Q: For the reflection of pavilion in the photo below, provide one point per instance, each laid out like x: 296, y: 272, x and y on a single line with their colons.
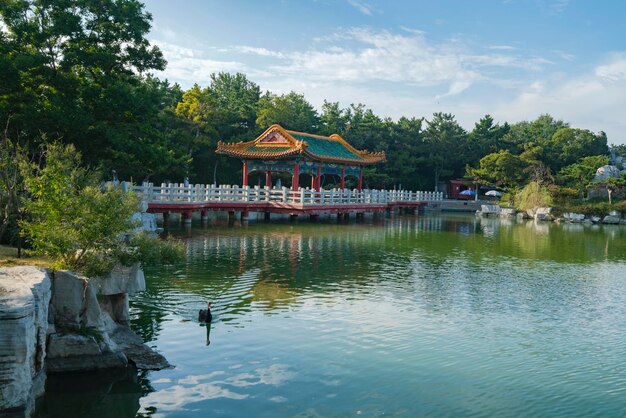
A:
x: 297, y: 153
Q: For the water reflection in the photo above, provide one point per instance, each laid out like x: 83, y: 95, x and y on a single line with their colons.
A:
x: 433, y: 315
x: 111, y: 393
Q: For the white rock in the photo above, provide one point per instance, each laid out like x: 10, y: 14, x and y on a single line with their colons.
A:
x: 611, y: 220
x: 24, y: 299
x: 574, y: 217
x: 508, y: 213
x: 606, y: 172
x: 543, y: 214
x: 74, y: 301
x: 121, y: 280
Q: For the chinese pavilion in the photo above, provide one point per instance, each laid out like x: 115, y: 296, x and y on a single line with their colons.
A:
x: 281, y: 150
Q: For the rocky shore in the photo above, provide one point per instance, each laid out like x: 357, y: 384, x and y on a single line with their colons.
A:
x: 545, y: 214
x: 56, y: 322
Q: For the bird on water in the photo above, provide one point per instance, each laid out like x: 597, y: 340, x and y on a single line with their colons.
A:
x: 204, y: 315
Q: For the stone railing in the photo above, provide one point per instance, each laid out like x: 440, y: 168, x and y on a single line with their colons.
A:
x: 200, y: 193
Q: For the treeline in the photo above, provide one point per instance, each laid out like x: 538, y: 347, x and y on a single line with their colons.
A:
x: 78, y: 72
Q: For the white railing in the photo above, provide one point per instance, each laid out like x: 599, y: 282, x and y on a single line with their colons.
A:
x: 200, y: 193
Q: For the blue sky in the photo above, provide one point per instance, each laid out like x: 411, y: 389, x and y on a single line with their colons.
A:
x: 513, y: 59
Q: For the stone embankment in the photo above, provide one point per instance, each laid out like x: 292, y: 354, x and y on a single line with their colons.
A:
x: 52, y: 322
x: 546, y: 215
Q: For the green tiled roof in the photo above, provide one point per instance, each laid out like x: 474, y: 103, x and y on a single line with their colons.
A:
x: 268, y: 149
x: 326, y: 148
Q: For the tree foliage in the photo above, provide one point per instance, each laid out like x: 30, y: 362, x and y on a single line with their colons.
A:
x: 80, y: 225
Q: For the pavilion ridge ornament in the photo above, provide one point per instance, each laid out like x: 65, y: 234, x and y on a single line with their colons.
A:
x: 281, y: 150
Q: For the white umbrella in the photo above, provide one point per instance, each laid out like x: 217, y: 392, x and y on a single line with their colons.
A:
x: 494, y: 193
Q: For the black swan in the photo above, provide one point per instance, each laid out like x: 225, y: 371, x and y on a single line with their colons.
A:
x: 204, y: 315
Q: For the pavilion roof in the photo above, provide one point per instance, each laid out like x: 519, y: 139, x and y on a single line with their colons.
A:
x: 279, y: 143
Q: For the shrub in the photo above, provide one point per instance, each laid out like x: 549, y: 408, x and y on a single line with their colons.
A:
x: 533, y: 195
x: 81, y: 226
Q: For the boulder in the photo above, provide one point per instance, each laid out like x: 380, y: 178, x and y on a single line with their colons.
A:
x: 122, y: 279
x: 74, y: 302
x: 595, y: 219
x: 606, y: 172
x: 574, y: 217
x: 611, y: 220
x: 522, y: 215
x: 486, y: 210
x: 543, y: 214
x: 507, y: 213
x: 24, y: 299
x: 146, y: 222
x: 77, y: 352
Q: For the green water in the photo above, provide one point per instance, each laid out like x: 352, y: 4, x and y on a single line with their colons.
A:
x: 416, y: 316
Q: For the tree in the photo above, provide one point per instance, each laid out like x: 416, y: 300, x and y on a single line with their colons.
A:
x: 78, y: 75
x: 485, y: 138
x: 236, y: 101
x: 291, y: 111
x: 501, y: 168
x: 80, y: 225
x: 446, y: 146
x: 581, y: 173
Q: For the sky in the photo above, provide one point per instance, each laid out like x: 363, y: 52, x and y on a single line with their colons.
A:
x: 512, y: 59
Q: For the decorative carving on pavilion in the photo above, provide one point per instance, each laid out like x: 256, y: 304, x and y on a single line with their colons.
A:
x: 279, y: 143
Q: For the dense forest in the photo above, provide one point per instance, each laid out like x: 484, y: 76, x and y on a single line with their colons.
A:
x: 79, y: 72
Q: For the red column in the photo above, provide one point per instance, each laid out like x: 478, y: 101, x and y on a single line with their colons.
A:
x: 312, y: 182
x: 295, y: 185
x: 245, y: 173
x: 268, y: 178
x: 360, y: 185
x: 318, y: 182
x: 343, y: 179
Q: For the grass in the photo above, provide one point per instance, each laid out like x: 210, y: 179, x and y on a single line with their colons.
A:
x: 8, y: 258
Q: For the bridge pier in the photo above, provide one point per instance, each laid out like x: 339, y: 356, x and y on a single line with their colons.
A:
x: 186, y: 217
x: 231, y: 215
x: 166, y: 218
x: 204, y: 215
x: 267, y: 216
x: 244, y: 215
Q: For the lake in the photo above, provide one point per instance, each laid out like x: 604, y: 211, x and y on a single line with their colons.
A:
x: 429, y: 315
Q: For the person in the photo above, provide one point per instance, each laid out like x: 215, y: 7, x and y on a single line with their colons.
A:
x: 186, y: 181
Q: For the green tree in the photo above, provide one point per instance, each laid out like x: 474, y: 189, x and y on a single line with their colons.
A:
x: 581, y: 173
x: 78, y: 75
x: 446, y: 147
x: 80, y: 225
x: 291, y: 111
x: 485, y: 138
x: 501, y: 168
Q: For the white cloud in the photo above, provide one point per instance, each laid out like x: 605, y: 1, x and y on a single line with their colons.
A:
x: 407, y: 74
x: 263, y: 52
x: 592, y: 101
x: 613, y: 71
x: 361, y: 6
x: 502, y: 47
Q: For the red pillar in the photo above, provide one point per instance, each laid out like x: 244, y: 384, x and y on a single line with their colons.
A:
x: 312, y: 182
x: 268, y: 178
x: 245, y: 173
x: 318, y: 182
x: 295, y: 185
x: 343, y: 179
x: 360, y: 185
